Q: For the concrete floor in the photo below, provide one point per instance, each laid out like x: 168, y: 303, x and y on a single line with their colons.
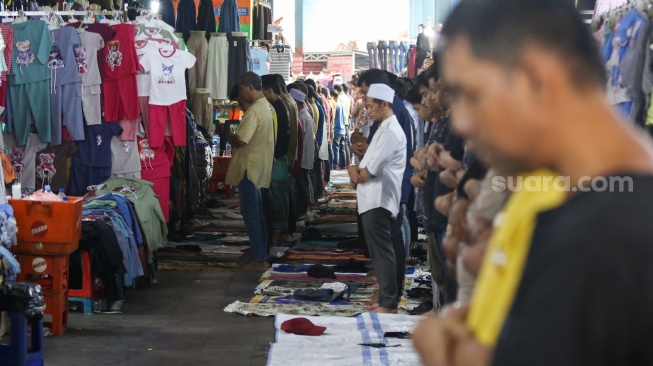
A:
x: 179, y: 321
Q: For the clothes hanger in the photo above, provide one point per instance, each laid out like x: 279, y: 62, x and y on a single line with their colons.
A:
x: 21, y: 16
x: 52, y: 21
x: 89, y: 18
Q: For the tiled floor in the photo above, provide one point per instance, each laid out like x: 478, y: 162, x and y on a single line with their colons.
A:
x: 179, y: 321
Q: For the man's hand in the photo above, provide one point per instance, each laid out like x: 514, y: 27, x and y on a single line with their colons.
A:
x: 359, y: 149
x: 445, y: 340
x: 449, y: 179
x: 432, y: 156
x: 436, y: 338
x: 419, y: 179
x: 235, y: 141
x: 362, y: 173
x: 354, y: 176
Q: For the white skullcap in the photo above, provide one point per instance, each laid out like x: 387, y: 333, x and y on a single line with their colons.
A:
x: 297, y: 95
x: 381, y: 92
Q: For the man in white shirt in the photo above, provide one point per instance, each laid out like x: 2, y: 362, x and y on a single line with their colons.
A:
x: 378, y: 187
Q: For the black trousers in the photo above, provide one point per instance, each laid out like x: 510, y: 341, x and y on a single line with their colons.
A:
x: 238, y: 60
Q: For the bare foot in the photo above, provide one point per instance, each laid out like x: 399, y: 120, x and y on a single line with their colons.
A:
x: 385, y: 310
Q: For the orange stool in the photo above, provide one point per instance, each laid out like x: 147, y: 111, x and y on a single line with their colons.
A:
x: 86, y: 294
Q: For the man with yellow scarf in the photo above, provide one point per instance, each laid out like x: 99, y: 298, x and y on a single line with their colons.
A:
x: 567, y: 278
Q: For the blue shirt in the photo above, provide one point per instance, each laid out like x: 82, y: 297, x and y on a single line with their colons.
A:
x: 404, y: 119
x: 95, y: 151
x: 339, y: 121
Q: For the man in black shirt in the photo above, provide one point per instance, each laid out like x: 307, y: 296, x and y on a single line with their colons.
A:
x: 277, y: 197
x: 528, y: 86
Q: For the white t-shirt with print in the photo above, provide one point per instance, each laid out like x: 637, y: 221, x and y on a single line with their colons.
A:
x: 167, y: 75
x: 142, y: 76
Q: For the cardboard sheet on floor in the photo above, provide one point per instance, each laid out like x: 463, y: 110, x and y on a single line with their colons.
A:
x: 339, y: 344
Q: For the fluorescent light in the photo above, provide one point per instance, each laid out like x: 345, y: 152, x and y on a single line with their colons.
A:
x: 155, y: 6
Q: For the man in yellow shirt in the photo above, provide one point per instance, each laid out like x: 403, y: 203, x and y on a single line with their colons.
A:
x: 251, y: 166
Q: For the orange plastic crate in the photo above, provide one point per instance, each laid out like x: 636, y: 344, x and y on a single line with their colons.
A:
x: 48, y: 227
x: 56, y: 306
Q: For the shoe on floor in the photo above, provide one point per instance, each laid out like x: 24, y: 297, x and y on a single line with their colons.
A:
x: 423, y: 308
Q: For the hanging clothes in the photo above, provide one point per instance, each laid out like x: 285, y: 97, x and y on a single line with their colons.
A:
x: 66, y: 85
x: 229, y: 19
x: 218, y: 67
x: 186, y: 18
x: 281, y: 61
x: 206, y: 18
x: 30, y: 80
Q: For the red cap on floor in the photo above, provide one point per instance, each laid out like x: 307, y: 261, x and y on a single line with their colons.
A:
x: 302, y: 326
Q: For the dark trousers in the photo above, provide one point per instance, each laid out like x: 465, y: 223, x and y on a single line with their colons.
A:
x: 377, y: 225
x: 403, y: 52
x: 167, y: 11
x: 421, y: 56
x: 400, y: 252
x: 238, y: 59
x: 326, y: 165
x: 339, y: 159
x: 371, y: 51
x: 186, y: 18
x: 394, y: 56
x: 348, y: 158
x: 383, y: 55
x: 206, y: 18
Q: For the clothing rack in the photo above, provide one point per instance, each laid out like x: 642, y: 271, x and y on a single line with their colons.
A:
x: 631, y: 4
x: 46, y: 13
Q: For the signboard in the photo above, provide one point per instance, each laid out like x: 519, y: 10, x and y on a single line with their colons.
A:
x: 312, y: 66
x: 343, y: 65
x: 297, y: 65
x: 272, y: 28
x: 242, y: 12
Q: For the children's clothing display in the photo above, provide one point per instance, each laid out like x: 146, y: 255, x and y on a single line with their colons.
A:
x: 167, y: 93
x: 119, y: 88
x: 30, y: 80
x: 65, y: 85
x: 89, y: 70
x: 92, y: 162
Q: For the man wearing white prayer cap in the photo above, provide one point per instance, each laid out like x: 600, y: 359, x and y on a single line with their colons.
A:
x: 378, y: 187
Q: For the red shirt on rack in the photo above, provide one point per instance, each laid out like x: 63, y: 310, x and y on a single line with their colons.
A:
x: 120, y: 53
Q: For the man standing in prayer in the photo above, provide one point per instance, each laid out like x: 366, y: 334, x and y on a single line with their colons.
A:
x: 251, y: 165
x: 277, y: 198
x: 308, y: 151
x: 378, y: 187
